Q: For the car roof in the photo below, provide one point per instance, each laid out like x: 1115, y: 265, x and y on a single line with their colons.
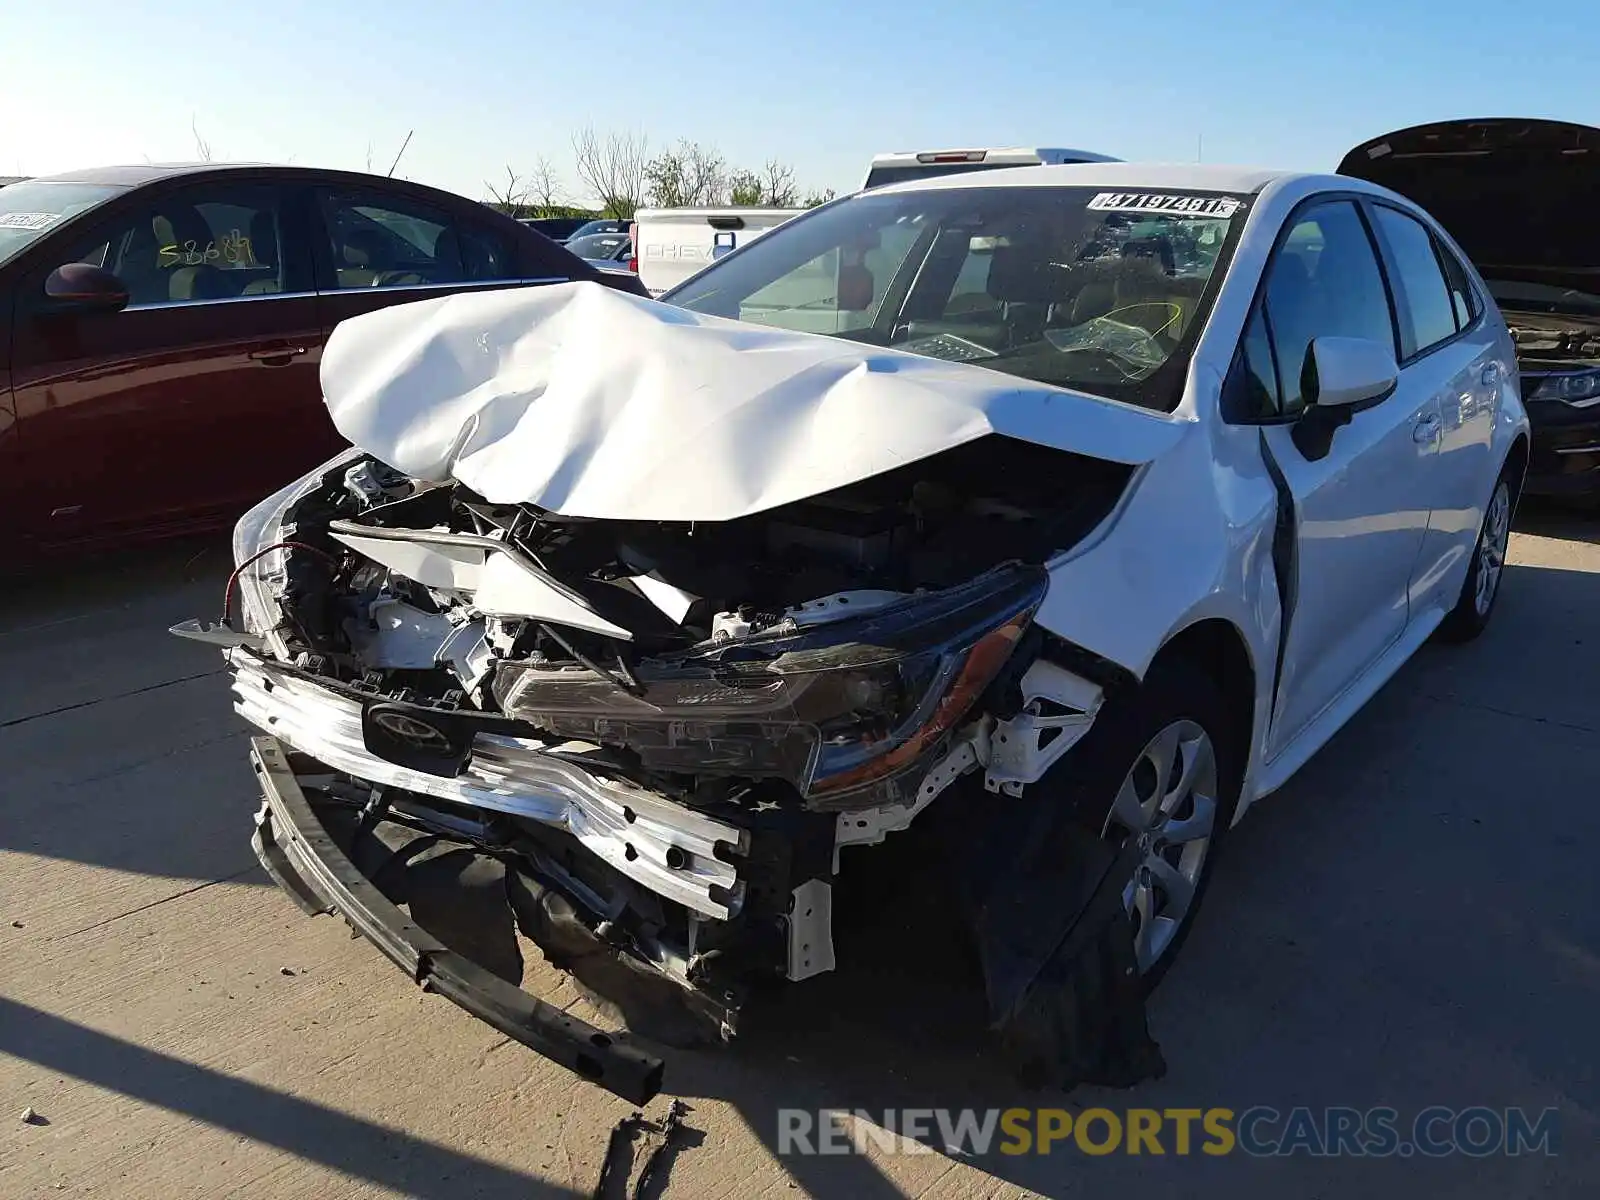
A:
x: 1165, y: 176
x: 139, y: 175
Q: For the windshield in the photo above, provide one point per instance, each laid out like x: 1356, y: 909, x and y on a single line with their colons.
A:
x: 598, y: 245
x: 604, y: 225
x: 1101, y: 291
x: 29, y: 209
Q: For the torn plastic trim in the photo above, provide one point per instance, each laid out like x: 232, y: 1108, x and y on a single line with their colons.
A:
x: 639, y: 833
x: 498, y: 580
x: 297, y: 852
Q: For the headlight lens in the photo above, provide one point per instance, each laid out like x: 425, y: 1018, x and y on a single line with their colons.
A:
x: 831, y: 709
x: 261, y: 527
x: 1580, y: 388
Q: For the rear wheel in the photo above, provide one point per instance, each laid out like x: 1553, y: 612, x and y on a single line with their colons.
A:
x: 1481, y: 588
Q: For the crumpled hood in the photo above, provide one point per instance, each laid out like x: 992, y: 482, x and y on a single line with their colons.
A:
x: 589, y: 402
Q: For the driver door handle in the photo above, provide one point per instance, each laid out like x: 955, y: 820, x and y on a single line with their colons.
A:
x: 276, y: 356
x: 1426, y: 430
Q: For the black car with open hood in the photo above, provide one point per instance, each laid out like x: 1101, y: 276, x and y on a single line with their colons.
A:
x: 1522, y: 198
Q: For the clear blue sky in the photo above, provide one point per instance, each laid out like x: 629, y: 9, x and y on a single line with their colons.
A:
x: 822, y: 84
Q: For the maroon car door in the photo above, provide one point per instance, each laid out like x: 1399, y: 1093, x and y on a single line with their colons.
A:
x: 198, y: 398
x: 378, y: 247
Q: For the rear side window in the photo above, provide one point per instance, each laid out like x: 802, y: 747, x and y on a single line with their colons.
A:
x: 1464, y: 302
x: 390, y: 241
x: 1422, y: 298
x: 1324, y: 281
x: 485, y: 256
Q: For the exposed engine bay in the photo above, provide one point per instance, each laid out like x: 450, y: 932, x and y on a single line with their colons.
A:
x: 803, y: 646
x: 673, y: 728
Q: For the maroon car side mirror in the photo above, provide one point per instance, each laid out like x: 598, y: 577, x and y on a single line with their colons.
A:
x: 83, y: 287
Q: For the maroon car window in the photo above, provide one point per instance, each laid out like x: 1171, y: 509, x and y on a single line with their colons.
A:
x: 391, y: 241
x: 195, y: 245
x: 486, y: 256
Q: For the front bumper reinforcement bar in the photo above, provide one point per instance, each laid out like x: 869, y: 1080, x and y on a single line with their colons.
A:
x: 304, y: 861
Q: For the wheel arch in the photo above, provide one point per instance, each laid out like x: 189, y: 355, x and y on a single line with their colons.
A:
x: 1219, y: 647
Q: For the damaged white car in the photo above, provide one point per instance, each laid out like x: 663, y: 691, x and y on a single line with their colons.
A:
x: 1074, y: 507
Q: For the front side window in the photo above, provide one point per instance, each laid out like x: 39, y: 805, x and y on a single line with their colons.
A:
x: 390, y: 241
x: 194, y: 245
x: 1422, y: 296
x: 1323, y: 281
x: 29, y: 210
x: 1071, y: 286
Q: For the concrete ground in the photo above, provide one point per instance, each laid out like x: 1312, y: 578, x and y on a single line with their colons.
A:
x: 1414, y: 921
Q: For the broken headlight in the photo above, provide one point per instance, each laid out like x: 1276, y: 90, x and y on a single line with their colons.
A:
x: 831, y: 709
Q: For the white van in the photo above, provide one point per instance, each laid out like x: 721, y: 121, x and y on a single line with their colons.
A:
x: 671, y: 244
x: 905, y: 165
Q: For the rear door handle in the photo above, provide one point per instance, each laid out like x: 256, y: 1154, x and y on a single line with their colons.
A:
x: 276, y: 356
x: 1426, y: 430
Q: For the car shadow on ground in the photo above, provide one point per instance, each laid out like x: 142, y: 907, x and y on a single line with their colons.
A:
x: 378, y: 1154
x: 1308, y: 979
x: 1544, y: 517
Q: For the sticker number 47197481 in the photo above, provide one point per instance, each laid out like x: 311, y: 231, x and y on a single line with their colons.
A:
x: 1165, y: 203
x: 21, y: 220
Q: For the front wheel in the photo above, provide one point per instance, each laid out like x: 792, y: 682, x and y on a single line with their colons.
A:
x: 1162, y: 769
x: 1481, y: 588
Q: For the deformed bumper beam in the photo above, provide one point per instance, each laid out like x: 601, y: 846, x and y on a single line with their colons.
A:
x: 304, y: 861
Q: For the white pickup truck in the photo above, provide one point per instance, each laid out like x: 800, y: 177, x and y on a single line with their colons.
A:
x: 671, y: 244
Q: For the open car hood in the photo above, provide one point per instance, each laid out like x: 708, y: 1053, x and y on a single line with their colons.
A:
x: 1520, y: 196
x: 588, y: 402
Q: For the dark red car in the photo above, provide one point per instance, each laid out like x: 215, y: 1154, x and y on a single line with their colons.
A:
x: 161, y: 329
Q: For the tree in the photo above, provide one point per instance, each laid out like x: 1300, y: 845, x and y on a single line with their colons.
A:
x: 613, y: 168
x: 777, y: 185
x: 510, y: 196
x: 544, y: 189
x: 202, y: 148
x: 815, y: 198
x: 744, y: 189
x: 686, y: 175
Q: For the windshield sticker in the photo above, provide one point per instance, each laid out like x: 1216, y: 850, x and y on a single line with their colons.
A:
x: 1152, y: 202
x: 33, y: 221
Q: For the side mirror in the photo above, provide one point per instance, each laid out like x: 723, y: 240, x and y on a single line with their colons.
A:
x: 1340, y: 377
x: 84, y: 288
x: 1346, y: 372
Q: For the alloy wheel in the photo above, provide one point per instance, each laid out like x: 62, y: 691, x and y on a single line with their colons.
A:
x: 1492, y: 547
x: 1168, y: 804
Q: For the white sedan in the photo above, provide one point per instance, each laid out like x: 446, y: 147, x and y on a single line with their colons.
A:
x: 1066, y: 510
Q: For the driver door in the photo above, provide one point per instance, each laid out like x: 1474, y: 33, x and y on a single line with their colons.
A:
x: 1361, y: 505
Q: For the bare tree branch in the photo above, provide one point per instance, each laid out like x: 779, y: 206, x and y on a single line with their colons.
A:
x: 509, y: 196
x: 202, y: 148
x: 778, y: 189
x: 544, y: 189
x: 612, y: 168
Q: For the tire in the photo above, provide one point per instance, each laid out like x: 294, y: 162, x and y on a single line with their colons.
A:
x: 1481, y: 588
x: 1181, y: 716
